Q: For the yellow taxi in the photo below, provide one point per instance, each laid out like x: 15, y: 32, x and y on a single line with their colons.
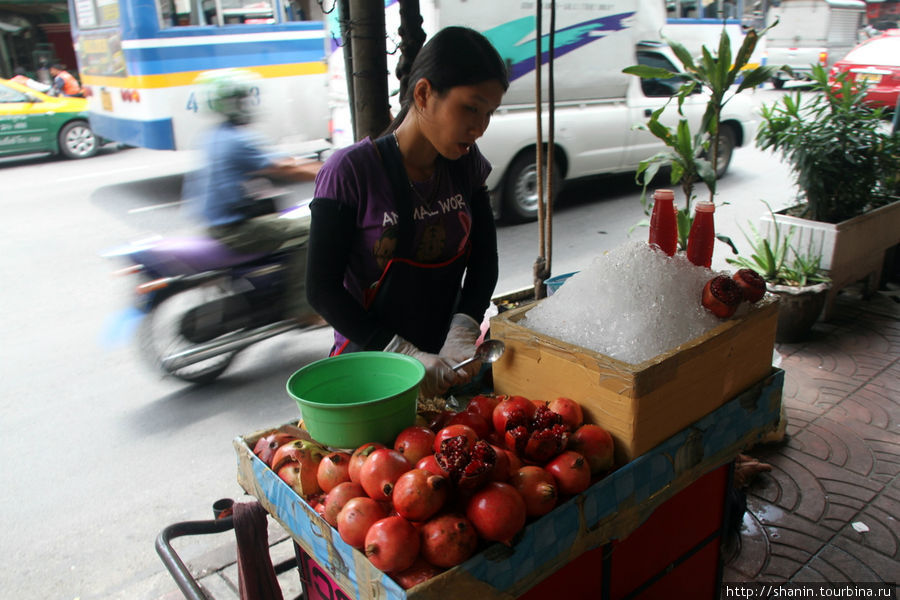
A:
x: 31, y: 121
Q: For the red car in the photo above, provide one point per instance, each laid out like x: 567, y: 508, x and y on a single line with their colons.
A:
x: 877, y: 62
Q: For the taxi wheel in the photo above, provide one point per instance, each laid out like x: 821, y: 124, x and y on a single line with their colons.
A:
x: 76, y: 140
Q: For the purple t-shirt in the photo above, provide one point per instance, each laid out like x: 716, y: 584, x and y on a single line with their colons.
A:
x: 355, y: 176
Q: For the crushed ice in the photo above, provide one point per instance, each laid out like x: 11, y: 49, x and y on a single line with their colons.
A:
x: 632, y: 303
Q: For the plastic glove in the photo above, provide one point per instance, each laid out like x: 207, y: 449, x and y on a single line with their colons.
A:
x: 460, y: 343
x: 439, y: 373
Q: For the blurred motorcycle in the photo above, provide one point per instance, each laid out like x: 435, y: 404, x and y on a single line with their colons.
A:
x: 200, y: 303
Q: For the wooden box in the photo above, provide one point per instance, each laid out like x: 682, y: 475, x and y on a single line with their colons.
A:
x: 639, y: 404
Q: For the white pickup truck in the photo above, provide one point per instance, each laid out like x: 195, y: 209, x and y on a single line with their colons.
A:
x: 811, y: 32
x: 596, y: 105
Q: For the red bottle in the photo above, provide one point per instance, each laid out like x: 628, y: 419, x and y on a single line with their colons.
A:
x: 702, y: 235
x: 663, y: 224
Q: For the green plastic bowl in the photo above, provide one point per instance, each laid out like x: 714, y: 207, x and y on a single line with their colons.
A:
x: 351, y: 399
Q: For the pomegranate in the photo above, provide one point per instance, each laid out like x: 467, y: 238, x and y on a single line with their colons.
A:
x: 571, y: 472
x: 501, y: 470
x: 356, y: 517
x: 301, y: 451
x: 338, y: 497
x: 479, y: 424
x: 569, y: 410
x: 333, y: 469
x: 515, y: 463
x: 596, y: 445
x: 539, y: 438
x: 414, y: 443
x: 359, y: 456
x: 497, y: 511
x: 448, y: 540
x: 517, y: 406
x: 266, y: 446
x: 429, y: 463
x: 392, y: 544
x: 297, y: 463
x: 752, y: 285
x: 451, y: 431
x: 469, y: 465
x: 484, y: 405
x: 418, y: 494
x: 421, y: 570
x: 721, y: 296
x: 537, y: 487
x: 380, y: 471
x: 301, y: 480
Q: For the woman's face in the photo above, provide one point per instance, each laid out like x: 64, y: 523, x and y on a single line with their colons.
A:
x: 454, y: 121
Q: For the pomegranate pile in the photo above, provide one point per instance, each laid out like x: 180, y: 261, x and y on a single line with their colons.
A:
x: 449, y: 485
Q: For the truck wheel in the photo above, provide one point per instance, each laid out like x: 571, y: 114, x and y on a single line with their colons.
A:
x: 778, y: 83
x: 76, y: 140
x: 726, y: 150
x: 520, y: 190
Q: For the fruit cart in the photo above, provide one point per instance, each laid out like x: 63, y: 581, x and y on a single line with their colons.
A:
x: 653, y: 524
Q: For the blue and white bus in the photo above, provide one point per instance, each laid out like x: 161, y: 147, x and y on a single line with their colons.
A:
x: 138, y: 60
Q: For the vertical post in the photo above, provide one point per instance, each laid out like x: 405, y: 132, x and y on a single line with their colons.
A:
x: 551, y: 137
x: 412, y: 37
x: 347, y: 49
x: 367, y: 37
x: 540, y: 263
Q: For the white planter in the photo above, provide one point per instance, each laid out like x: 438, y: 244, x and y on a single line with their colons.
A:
x: 852, y: 250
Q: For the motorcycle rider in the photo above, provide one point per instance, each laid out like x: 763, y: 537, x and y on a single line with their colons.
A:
x: 217, y: 192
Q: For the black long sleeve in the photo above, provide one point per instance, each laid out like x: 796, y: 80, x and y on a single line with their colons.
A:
x: 483, y: 268
x: 331, y: 233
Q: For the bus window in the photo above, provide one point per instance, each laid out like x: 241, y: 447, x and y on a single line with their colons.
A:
x: 704, y: 9
x: 97, y: 13
x: 178, y: 13
x: 247, y: 11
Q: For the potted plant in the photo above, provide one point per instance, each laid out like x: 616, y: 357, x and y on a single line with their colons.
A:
x: 847, y: 168
x: 793, y: 274
x: 694, y: 155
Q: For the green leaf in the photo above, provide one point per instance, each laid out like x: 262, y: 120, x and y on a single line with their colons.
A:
x: 660, y: 131
x: 687, y: 61
x: 746, y: 50
x: 648, y: 72
x: 707, y: 174
x: 723, y: 62
x: 684, y: 220
x: 756, y: 77
x: 641, y: 223
x: 727, y: 240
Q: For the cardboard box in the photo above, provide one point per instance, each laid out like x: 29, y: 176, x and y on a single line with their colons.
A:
x: 639, y: 404
x: 610, y: 509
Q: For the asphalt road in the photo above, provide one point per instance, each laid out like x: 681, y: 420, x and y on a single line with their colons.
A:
x: 100, y: 453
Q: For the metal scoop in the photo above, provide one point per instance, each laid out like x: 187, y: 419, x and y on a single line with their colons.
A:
x: 488, y: 351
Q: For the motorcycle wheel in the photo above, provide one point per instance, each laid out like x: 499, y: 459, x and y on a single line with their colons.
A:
x: 160, y: 335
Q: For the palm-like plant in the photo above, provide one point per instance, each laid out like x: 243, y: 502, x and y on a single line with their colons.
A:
x: 688, y: 151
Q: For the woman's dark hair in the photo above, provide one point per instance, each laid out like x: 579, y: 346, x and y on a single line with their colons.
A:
x: 453, y: 56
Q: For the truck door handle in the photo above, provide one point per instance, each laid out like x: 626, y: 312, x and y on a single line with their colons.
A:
x: 648, y: 112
